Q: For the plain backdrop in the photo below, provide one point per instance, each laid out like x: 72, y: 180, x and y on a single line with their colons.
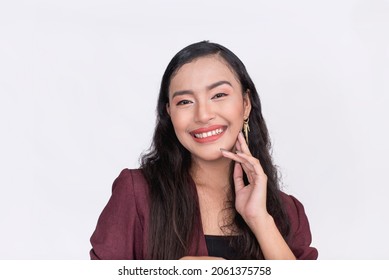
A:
x: 79, y: 81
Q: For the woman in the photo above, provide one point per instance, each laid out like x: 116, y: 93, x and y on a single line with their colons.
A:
x: 207, y: 188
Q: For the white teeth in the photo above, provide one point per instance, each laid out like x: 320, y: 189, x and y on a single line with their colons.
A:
x: 209, y: 133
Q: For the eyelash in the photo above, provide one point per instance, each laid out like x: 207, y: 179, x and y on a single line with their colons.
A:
x: 183, y: 102
x: 219, y: 95
x: 216, y: 96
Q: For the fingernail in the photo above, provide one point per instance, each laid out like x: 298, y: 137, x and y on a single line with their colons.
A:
x: 223, y: 150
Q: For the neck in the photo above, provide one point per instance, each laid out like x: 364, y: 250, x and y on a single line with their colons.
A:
x: 211, y: 174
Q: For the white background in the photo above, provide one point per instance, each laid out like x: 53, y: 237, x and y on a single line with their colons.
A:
x: 79, y: 81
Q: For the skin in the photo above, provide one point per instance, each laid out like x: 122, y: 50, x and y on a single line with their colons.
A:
x: 194, y: 105
x: 200, y: 107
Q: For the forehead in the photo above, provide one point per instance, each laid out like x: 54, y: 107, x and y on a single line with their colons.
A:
x: 202, y: 72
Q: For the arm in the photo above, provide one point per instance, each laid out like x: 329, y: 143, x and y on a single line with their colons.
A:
x: 251, y: 202
x: 119, y: 231
x: 300, y: 237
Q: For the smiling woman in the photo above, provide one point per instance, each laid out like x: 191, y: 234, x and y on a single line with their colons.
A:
x: 203, y: 189
x: 209, y: 110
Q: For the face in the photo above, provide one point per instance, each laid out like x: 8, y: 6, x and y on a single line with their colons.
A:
x: 207, y: 107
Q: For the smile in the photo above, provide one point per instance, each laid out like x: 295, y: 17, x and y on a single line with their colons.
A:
x: 208, y: 134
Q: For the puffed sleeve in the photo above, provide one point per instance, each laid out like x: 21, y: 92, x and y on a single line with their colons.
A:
x: 120, y: 227
x: 300, y: 237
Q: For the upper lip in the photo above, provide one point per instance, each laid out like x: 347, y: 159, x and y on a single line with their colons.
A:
x: 206, y: 129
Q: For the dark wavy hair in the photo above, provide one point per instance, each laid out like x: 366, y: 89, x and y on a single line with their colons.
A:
x: 174, y: 209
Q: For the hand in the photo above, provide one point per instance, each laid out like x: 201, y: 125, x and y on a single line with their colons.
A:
x: 251, y: 202
x: 251, y: 199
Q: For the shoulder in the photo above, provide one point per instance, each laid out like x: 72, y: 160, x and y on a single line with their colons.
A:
x: 130, y: 177
x: 300, y: 237
x: 292, y: 205
x: 121, y: 227
x: 131, y: 180
x: 131, y: 187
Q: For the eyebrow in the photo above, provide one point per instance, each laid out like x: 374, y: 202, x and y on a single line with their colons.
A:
x: 211, y: 86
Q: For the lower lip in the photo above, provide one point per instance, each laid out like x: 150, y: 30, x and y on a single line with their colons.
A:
x: 209, y: 139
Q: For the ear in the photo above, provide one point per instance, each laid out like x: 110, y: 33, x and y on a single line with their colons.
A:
x: 168, y: 108
x: 246, y: 104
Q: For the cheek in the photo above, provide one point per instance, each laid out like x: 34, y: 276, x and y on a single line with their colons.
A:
x: 234, y: 110
x: 179, y: 120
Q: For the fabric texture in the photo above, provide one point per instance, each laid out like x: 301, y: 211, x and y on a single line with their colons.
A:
x: 122, y: 228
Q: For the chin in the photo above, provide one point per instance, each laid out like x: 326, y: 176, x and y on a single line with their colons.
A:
x: 216, y: 156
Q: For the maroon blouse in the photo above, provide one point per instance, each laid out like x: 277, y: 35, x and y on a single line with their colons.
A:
x: 121, y: 231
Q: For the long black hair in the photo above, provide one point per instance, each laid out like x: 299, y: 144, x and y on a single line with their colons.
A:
x: 174, y: 209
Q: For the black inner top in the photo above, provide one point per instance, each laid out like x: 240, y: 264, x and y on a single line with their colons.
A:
x: 219, y: 246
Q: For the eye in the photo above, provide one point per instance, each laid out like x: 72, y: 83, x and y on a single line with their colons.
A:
x: 219, y: 95
x: 183, y: 102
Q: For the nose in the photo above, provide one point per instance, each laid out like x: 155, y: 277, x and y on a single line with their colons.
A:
x: 204, y: 112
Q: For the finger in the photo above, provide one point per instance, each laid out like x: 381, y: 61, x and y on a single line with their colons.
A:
x: 243, y: 145
x: 240, y: 157
x: 237, y: 146
x: 253, y: 169
x: 248, y: 167
x: 238, y: 177
x: 230, y: 155
x: 251, y: 162
x: 251, y: 174
x: 236, y: 157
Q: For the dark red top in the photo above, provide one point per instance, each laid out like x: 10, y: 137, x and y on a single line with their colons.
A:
x: 122, y: 228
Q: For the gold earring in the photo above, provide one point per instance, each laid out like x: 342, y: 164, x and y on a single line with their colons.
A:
x: 246, y: 129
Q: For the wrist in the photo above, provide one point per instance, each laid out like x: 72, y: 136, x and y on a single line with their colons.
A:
x: 260, y: 222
